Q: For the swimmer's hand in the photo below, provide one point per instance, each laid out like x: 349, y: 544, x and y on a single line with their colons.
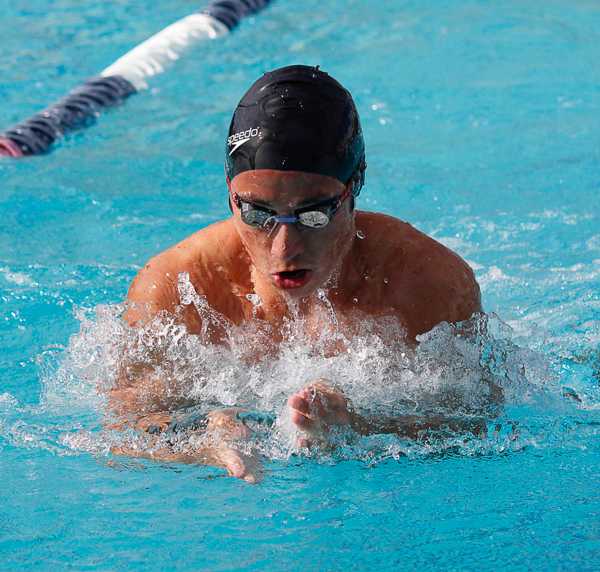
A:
x: 316, y: 409
x: 220, y: 433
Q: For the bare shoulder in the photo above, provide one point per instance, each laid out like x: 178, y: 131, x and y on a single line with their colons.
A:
x: 155, y: 288
x: 432, y: 282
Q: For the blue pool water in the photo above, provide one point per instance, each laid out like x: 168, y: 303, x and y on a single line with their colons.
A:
x: 481, y: 122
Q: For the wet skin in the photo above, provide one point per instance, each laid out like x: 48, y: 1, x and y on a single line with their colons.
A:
x: 395, y: 270
x: 370, y: 265
x: 223, y: 431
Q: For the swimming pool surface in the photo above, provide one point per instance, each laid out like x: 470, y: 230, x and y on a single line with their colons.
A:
x: 481, y: 122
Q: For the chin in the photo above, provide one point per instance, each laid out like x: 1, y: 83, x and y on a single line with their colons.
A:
x: 299, y: 291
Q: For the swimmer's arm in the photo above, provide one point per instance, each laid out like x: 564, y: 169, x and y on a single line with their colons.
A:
x: 416, y: 427
x: 319, y: 405
x: 235, y: 463
x: 146, y: 387
x: 142, y: 394
x: 413, y: 426
x: 169, y: 438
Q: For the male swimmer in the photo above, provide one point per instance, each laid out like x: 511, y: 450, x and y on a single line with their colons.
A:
x: 295, y: 165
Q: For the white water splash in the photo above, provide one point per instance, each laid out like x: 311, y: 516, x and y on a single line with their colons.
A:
x: 451, y: 372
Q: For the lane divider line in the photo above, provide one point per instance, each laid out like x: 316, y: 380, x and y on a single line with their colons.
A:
x: 126, y: 76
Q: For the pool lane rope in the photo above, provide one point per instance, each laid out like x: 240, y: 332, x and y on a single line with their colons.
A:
x: 128, y: 75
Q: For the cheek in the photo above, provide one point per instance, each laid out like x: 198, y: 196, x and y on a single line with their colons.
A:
x: 332, y: 242
x: 255, y: 245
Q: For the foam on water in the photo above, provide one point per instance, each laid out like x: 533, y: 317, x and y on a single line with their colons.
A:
x: 452, y: 372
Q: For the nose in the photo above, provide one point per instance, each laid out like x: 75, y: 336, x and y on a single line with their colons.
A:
x: 286, y: 242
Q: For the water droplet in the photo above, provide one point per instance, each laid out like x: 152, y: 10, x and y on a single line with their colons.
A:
x: 254, y: 299
x: 360, y: 234
x: 386, y: 280
x: 355, y: 300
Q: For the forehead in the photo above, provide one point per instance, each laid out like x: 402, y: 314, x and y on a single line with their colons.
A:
x: 285, y: 188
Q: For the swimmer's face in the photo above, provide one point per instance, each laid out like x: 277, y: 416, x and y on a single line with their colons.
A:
x: 290, y: 257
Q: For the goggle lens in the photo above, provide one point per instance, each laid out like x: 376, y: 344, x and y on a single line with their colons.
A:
x: 318, y: 217
x: 314, y: 219
x: 254, y: 216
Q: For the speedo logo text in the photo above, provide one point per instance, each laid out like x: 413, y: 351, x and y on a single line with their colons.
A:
x: 241, y: 137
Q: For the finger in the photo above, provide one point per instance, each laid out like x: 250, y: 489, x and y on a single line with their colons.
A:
x: 233, y: 465
x: 299, y: 402
x: 301, y: 420
x: 250, y: 478
x: 238, y: 465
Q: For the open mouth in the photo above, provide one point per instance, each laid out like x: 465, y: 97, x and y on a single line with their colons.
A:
x: 292, y: 278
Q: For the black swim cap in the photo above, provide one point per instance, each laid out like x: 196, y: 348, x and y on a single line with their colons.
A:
x: 297, y: 118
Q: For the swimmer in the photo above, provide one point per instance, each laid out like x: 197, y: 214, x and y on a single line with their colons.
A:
x: 295, y: 165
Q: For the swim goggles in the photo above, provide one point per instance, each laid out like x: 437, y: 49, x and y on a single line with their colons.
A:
x: 317, y: 215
